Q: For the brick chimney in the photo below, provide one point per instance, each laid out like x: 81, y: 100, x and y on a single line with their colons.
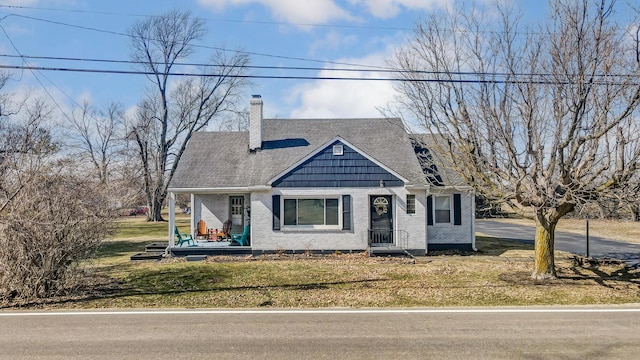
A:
x: 255, y: 123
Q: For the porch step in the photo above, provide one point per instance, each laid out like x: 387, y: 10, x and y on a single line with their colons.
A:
x: 156, y: 247
x: 210, y: 251
x: 153, y: 251
x: 196, y: 257
x: 388, y: 251
x: 147, y: 256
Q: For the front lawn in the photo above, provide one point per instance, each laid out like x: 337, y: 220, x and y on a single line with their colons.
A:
x: 498, y: 275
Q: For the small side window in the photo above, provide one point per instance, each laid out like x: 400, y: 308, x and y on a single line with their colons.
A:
x: 338, y: 150
x: 411, y: 204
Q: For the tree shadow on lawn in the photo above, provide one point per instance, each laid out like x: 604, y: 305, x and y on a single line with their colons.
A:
x: 578, y: 271
x: 489, y: 246
x: 605, y: 272
x: 602, y: 271
x: 173, y: 282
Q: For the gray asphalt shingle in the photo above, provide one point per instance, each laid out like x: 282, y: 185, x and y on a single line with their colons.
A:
x: 222, y: 160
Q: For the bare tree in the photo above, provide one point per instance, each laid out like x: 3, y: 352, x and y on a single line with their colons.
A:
x: 50, y: 219
x: 172, y: 112
x: 97, y: 137
x: 26, y: 144
x: 544, y: 118
x: 52, y: 226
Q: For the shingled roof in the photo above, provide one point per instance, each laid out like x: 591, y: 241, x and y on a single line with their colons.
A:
x: 437, y: 166
x: 218, y: 160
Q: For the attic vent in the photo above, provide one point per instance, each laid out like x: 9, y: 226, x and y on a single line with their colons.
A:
x: 338, y: 150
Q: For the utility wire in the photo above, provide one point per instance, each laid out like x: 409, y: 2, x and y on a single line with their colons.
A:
x: 111, y: 32
x: 259, y: 67
x: 482, y: 80
x: 35, y: 75
x: 300, y: 68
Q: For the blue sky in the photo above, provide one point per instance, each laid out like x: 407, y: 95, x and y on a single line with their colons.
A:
x: 275, y: 32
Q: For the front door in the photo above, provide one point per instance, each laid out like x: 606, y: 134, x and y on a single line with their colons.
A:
x: 237, y: 213
x: 381, y: 230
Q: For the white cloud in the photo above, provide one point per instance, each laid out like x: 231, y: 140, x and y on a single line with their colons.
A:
x: 37, y: 2
x: 386, y: 9
x: 19, y: 2
x: 343, y: 98
x: 332, y: 41
x: 292, y: 11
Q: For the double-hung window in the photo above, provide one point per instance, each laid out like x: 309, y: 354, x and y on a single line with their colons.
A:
x: 311, y: 212
x: 442, y: 209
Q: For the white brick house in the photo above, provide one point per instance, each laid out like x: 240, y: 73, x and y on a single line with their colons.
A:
x: 320, y: 185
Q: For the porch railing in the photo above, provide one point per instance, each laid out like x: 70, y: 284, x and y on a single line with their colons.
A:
x: 397, y: 238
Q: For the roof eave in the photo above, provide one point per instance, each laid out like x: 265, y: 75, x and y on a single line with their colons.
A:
x: 221, y: 190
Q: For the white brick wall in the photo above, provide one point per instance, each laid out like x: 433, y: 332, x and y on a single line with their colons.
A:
x: 214, y: 210
x: 455, y: 234
x: 263, y: 237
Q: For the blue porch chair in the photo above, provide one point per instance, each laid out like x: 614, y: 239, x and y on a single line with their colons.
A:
x: 241, y: 239
x: 183, y: 238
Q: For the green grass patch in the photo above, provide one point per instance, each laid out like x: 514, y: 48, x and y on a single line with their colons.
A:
x: 492, y: 246
x: 139, y: 228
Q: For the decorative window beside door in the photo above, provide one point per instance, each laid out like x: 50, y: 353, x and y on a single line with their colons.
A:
x: 411, y: 204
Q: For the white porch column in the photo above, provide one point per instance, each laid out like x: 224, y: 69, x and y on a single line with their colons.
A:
x: 172, y: 219
x: 473, y: 221
x: 192, y: 216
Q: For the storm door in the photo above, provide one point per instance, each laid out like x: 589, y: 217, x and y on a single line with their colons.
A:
x: 381, y: 230
x: 237, y: 213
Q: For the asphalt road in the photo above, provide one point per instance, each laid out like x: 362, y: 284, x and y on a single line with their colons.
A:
x: 573, y: 243
x: 511, y: 333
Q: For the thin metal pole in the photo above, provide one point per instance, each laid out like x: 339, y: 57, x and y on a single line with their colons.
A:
x: 587, y: 220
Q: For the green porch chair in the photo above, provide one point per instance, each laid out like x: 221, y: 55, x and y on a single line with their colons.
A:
x: 183, y: 238
x: 241, y: 239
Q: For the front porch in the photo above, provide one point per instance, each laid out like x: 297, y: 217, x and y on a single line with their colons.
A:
x: 219, y: 222
x: 209, y: 248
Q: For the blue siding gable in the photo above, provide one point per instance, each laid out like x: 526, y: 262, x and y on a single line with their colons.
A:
x: 327, y: 170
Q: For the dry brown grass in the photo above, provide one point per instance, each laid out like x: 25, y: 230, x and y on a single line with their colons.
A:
x: 491, y: 278
x: 621, y: 230
x: 497, y: 275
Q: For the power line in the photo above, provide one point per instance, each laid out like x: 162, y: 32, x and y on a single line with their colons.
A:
x: 44, y: 88
x: 299, y: 68
x: 138, y: 72
x: 259, y: 67
x: 485, y: 79
x: 111, y: 32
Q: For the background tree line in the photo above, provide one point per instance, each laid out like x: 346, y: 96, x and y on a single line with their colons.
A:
x: 65, y: 177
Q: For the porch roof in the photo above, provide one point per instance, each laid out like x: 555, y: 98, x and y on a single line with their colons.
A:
x: 216, y: 160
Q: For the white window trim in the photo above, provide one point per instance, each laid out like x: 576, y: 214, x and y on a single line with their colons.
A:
x: 284, y: 227
x: 435, y: 222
